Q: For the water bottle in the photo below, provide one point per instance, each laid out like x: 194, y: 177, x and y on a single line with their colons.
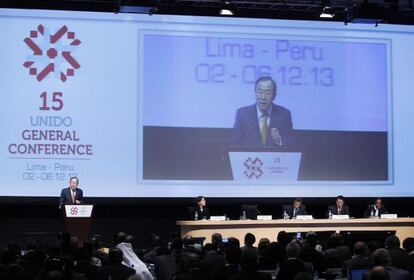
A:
x: 285, y: 215
x: 330, y: 214
x: 244, y: 215
x: 372, y: 213
x: 196, y: 216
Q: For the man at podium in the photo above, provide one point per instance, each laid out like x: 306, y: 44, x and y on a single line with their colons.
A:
x: 262, y: 124
x: 71, y: 194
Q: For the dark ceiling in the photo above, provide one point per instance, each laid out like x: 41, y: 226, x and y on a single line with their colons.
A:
x: 385, y: 11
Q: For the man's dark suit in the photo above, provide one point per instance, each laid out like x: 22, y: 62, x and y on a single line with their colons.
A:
x: 165, y: 266
x: 336, y: 256
x: 400, y: 259
x: 397, y: 273
x: 66, y: 196
x: 213, y: 262
x: 289, y: 210
x: 335, y: 211
x: 246, y: 129
x: 115, y: 272
x: 381, y: 211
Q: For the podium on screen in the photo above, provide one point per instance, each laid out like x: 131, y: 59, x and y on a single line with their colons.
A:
x: 265, y: 165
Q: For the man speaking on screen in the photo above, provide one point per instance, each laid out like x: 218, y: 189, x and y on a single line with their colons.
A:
x: 263, y: 124
x: 71, y: 194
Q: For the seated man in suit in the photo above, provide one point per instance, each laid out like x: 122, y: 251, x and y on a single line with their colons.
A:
x: 71, y: 194
x: 339, y: 208
x: 297, y: 208
x: 262, y: 124
x: 377, y: 209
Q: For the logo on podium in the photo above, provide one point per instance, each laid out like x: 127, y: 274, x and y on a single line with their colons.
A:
x: 253, y: 168
x: 74, y: 211
x: 265, y: 166
x: 79, y: 211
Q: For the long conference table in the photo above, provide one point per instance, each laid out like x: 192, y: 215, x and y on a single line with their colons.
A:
x: 404, y: 227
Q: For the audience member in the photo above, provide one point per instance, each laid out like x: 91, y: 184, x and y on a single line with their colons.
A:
x: 309, y: 253
x: 155, y: 249
x: 166, y: 265
x: 292, y: 264
x: 249, y: 262
x: 213, y: 260
x: 408, y: 245
x: 337, y: 252
x: 378, y: 273
x: 381, y: 257
x: 115, y: 270
x: 217, y: 239
x: 192, y: 269
x: 232, y: 256
x: 358, y: 261
x: 130, y: 259
x: 184, y: 259
x: 399, y: 257
x: 249, y: 240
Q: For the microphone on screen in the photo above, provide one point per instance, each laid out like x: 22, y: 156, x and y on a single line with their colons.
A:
x: 276, y: 137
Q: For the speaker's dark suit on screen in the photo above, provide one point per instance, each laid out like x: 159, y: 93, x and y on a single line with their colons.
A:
x: 246, y: 129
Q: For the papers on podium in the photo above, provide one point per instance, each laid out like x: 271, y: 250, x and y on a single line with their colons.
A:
x: 265, y: 166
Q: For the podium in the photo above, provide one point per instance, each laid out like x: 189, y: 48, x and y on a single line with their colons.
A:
x: 77, y: 220
x: 265, y: 165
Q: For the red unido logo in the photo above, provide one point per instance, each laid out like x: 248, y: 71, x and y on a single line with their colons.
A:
x: 253, y: 168
x: 74, y: 211
x: 52, y: 53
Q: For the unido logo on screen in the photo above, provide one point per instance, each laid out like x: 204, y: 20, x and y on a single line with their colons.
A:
x: 253, y: 168
x: 52, y: 53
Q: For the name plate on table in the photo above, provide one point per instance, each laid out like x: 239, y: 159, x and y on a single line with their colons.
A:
x: 340, y: 217
x: 304, y: 217
x: 265, y: 166
x: 264, y: 217
x: 389, y: 216
x: 78, y: 211
x: 217, y: 218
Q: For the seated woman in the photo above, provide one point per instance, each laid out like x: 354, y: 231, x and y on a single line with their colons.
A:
x: 202, y: 211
